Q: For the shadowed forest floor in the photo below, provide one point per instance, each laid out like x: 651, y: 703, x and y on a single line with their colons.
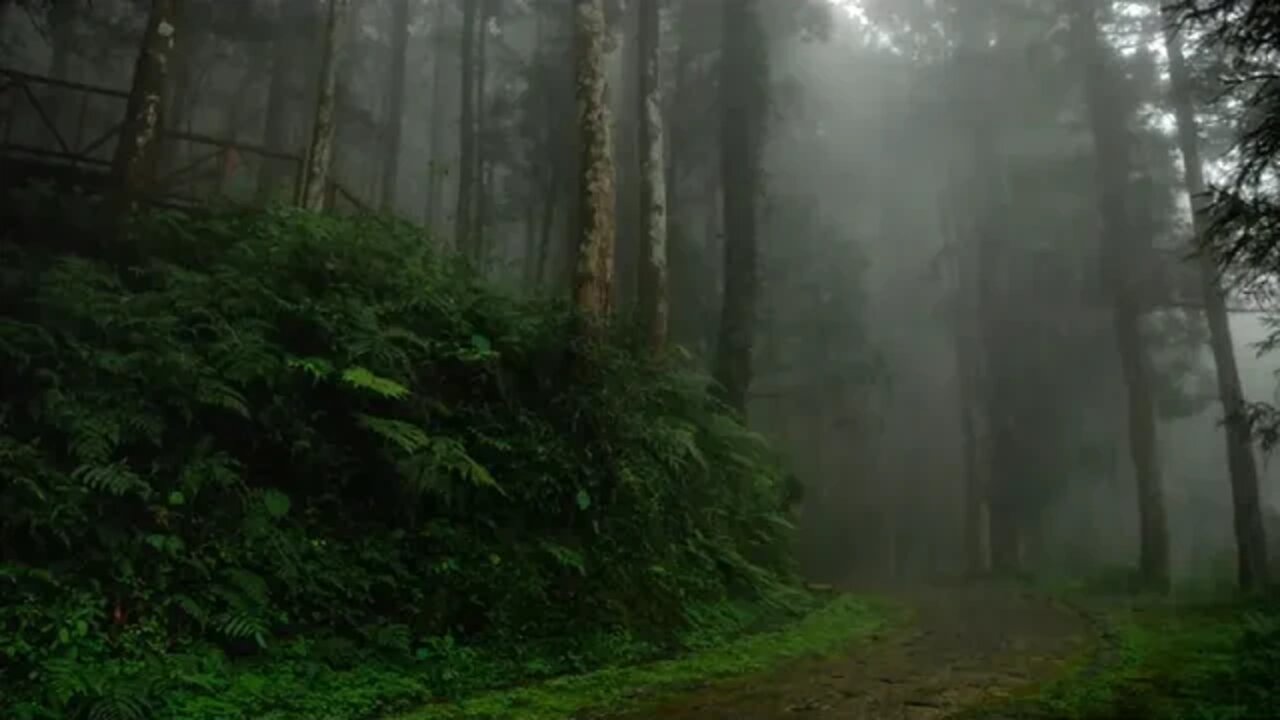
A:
x: 963, y: 645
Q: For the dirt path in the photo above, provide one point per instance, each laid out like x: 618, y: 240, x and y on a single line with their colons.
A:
x: 964, y: 644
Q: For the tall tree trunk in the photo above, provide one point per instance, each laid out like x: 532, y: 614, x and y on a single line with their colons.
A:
x: 743, y: 79
x: 967, y: 382
x: 137, y: 150
x: 466, y: 130
x: 1111, y: 147
x: 435, y: 121
x: 482, y: 161
x: 553, y: 164
x: 679, y: 90
x: 653, y: 191
x: 550, y: 201
x: 395, y: 104
x: 1251, y: 541
x: 1004, y: 516
x: 319, y: 161
x: 278, y: 134
x: 628, y: 109
x: 593, y: 274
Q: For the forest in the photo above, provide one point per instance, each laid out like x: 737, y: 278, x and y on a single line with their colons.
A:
x: 639, y: 359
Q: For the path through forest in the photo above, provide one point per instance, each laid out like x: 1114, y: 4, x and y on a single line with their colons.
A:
x: 965, y: 644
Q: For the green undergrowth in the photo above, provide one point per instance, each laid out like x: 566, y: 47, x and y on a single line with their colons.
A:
x: 831, y: 628
x: 1201, y: 657
x: 280, y: 465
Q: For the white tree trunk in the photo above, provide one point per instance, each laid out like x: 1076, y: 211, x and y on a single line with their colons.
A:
x: 136, y: 153
x: 593, y: 278
x: 653, y: 189
x: 319, y: 161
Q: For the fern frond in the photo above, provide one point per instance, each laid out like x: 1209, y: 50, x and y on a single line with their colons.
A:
x: 405, y: 436
x: 219, y: 394
x: 120, y: 707
x: 243, y: 625
x: 317, y: 368
x: 565, y: 557
x: 115, y: 479
x: 94, y: 438
x: 362, y: 379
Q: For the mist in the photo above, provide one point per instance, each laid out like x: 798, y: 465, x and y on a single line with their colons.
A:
x: 946, y: 258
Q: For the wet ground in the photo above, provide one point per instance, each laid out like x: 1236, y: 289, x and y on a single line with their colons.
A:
x: 963, y: 645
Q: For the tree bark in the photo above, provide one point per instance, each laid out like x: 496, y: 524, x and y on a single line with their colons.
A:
x: 136, y: 153
x: 436, y: 126
x: 320, y: 151
x: 593, y: 275
x: 463, y: 227
x: 679, y: 90
x: 743, y: 78
x: 482, y: 161
x: 550, y: 201
x: 1251, y: 540
x: 967, y: 385
x: 278, y: 133
x: 1111, y: 148
x: 653, y: 191
x: 395, y: 104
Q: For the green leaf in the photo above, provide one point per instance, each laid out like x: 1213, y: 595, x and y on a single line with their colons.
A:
x: 481, y: 343
x: 317, y: 368
x: 176, y: 498
x: 276, y: 503
x: 584, y: 500
x: 363, y: 379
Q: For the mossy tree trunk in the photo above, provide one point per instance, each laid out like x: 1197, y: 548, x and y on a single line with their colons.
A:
x: 435, y: 129
x: 743, y: 104
x: 466, y: 129
x: 319, y: 162
x: 593, y: 274
x: 653, y: 190
x: 137, y: 152
x: 483, y: 167
x: 395, y: 104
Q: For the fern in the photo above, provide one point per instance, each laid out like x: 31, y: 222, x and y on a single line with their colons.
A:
x: 221, y: 395
x: 120, y: 707
x: 94, y: 437
x: 392, y: 636
x: 114, y: 479
x: 242, y: 625
x: 167, y: 463
x: 404, y: 436
x: 316, y: 368
x: 250, y: 588
x: 565, y: 557
x: 362, y: 379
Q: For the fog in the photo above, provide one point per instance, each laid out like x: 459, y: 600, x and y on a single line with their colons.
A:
x: 935, y: 348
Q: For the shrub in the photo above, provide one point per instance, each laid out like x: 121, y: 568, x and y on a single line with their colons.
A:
x: 233, y: 434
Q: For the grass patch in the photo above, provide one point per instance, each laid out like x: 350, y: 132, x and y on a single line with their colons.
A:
x: 1165, y: 661
x: 831, y: 628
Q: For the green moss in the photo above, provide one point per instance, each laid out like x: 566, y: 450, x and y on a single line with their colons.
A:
x: 830, y: 629
x: 1159, y: 661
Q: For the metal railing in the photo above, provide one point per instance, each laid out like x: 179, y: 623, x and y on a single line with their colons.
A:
x: 52, y: 125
